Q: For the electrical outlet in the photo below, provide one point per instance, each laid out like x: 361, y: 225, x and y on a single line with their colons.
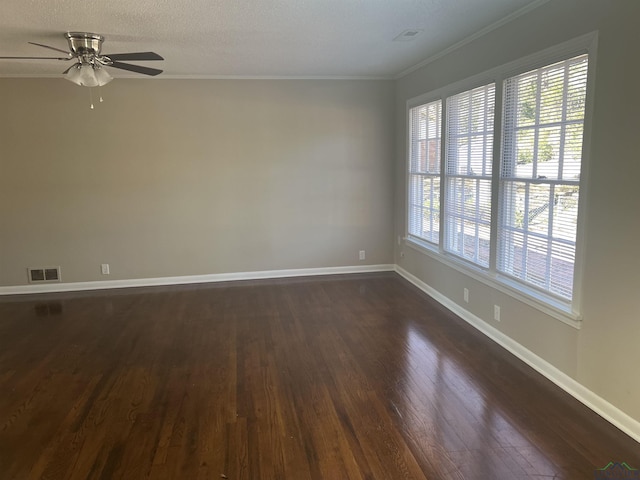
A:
x: 105, y: 269
x: 496, y: 313
x: 466, y: 295
x: 362, y: 255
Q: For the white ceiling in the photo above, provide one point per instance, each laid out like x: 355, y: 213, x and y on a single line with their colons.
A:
x: 252, y: 38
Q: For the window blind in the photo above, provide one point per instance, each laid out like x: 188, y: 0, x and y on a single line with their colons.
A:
x: 424, y: 171
x: 540, y: 175
x: 469, y: 153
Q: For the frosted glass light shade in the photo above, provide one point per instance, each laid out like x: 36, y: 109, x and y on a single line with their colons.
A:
x: 102, y: 76
x: 86, y: 75
x: 73, y: 75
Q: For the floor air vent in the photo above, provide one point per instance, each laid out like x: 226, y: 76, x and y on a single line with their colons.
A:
x: 44, y: 274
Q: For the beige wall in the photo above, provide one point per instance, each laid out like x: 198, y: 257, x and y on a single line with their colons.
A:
x: 603, y: 354
x: 187, y: 177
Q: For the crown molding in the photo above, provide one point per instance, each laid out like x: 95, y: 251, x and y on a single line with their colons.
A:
x: 503, y: 21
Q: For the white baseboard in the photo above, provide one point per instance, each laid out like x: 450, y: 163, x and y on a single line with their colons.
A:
x: 599, y: 405
x: 182, y: 280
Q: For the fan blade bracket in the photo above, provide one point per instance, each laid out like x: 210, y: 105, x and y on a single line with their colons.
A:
x: 104, y: 60
x: 67, y: 70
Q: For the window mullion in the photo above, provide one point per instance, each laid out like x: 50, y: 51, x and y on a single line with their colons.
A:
x: 469, y: 132
x: 525, y: 231
x: 536, y: 131
x: 552, y: 207
x: 476, y: 257
x: 496, y: 184
x: 563, y: 129
x: 444, y: 190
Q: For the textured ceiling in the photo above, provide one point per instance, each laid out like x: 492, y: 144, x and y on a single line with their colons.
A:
x: 251, y: 38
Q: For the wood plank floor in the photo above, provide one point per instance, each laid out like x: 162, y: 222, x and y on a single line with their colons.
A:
x: 351, y: 377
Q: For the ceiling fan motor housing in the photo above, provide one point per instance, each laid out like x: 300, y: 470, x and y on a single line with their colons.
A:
x: 84, y: 44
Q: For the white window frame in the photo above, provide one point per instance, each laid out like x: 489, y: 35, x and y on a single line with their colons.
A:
x: 510, y: 231
x: 454, y: 222
x: 567, y: 312
x: 420, y: 174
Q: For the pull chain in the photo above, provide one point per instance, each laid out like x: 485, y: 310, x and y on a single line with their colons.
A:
x: 91, y: 97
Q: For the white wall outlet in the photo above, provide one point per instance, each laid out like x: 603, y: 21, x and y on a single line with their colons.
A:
x: 401, y: 254
x: 496, y: 313
x: 362, y: 255
x: 105, y: 269
x: 466, y: 295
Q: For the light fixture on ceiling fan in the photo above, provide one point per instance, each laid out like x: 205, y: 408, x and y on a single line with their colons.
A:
x: 88, y: 71
x: 88, y: 75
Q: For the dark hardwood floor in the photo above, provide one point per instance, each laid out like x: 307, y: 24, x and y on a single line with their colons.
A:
x: 352, y: 377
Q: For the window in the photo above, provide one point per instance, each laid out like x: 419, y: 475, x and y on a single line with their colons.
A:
x: 424, y: 171
x: 540, y: 175
x: 469, y: 153
x: 522, y: 236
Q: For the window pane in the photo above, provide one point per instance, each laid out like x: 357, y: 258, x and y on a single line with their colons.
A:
x: 542, y: 149
x: 537, y: 234
x: 468, y: 219
x: 577, y: 88
x: 565, y: 212
x: 551, y: 94
x: 424, y: 214
x: 572, y: 153
x: 468, y: 172
x: 544, y: 115
x: 525, y: 90
x: 535, y: 252
x: 424, y: 180
x: 425, y: 138
x: 561, y: 273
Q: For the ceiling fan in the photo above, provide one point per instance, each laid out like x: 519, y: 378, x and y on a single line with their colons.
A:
x: 88, y: 69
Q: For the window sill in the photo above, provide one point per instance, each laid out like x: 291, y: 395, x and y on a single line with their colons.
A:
x: 546, y: 304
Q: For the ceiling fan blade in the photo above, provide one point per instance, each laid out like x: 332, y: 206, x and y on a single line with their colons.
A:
x: 139, y: 56
x: 51, y: 48
x: 136, y: 68
x: 36, y: 58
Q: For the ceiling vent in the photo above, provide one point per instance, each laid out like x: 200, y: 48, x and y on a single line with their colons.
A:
x: 44, y: 274
x: 408, y: 35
